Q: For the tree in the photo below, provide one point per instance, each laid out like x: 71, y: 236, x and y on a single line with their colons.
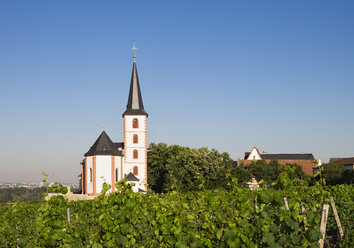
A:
x: 242, y: 174
x: 20, y: 194
x: 335, y: 174
x: 262, y: 170
x: 185, y: 168
x: 295, y: 172
x: 157, y: 166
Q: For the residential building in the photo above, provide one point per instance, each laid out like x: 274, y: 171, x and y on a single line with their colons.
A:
x: 305, y: 160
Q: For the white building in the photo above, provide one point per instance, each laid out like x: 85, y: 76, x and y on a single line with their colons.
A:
x: 253, y: 184
x: 108, y: 161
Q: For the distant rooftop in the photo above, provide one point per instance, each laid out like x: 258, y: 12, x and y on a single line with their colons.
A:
x: 342, y: 161
x: 284, y: 156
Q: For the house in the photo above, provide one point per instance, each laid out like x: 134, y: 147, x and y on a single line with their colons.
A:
x: 305, y: 160
x: 253, y: 184
x: 348, y: 163
x: 109, y: 162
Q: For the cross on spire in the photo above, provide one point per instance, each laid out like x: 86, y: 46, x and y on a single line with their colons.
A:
x: 135, y: 104
x: 134, y: 48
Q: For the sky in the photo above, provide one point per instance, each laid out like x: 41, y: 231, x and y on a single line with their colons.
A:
x: 229, y: 75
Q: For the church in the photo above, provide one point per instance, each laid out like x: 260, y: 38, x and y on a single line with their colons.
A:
x: 109, y: 162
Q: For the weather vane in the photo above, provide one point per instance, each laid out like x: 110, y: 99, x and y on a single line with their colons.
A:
x: 134, y: 48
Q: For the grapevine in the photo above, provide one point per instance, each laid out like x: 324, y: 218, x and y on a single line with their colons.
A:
x: 236, y: 217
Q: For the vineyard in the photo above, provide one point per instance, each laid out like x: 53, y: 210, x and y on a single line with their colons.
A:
x: 236, y: 217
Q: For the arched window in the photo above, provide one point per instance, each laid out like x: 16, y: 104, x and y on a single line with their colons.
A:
x: 90, y: 175
x: 135, y: 123
x: 135, y: 139
x: 135, y: 154
x: 135, y: 170
x: 116, y: 175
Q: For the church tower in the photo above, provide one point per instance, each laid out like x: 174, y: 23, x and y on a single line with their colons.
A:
x: 135, y: 133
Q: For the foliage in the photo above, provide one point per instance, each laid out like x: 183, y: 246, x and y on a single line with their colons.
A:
x: 58, y: 188
x: 262, y: 170
x: 21, y: 194
x: 236, y: 217
x: 295, y: 171
x: 345, y: 208
x: 186, y: 168
x: 242, y: 174
x: 10, y: 195
x: 335, y: 174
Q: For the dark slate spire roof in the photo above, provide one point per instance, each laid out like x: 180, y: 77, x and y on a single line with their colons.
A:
x: 104, y: 146
x: 130, y: 177
x: 135, y: 104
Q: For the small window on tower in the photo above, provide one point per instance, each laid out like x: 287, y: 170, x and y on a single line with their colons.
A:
x: 135, y: 170
x: 104, y: 148
x: 135, y: 139
x: 135, y: 123
x: 135, y: 154
x: 90, y: 175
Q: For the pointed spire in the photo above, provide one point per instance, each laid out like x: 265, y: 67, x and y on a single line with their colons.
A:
x: 135, y: 104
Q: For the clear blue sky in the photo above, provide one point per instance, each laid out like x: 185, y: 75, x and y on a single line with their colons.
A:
x: 230, y: 75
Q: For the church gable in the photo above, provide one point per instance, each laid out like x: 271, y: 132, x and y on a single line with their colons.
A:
x: 254, y: 154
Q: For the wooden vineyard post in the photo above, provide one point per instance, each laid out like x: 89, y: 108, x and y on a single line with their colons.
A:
x: 68, y: 214
x: 305, y: 220
x: 286, y: 203
x: 323, y: 223
x: 341, y: 233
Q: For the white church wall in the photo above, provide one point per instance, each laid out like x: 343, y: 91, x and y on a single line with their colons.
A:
x: 141, y: 155
x: 88, y: 167
x: 141, y: 169
x: 128, y: 168
x: 142, y: 185
x: 141, y: 147
x: 129, y: 122
x: 141, y: 138
x: 135, y: 187
x: 103, y: 171
x: 117, y: 165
